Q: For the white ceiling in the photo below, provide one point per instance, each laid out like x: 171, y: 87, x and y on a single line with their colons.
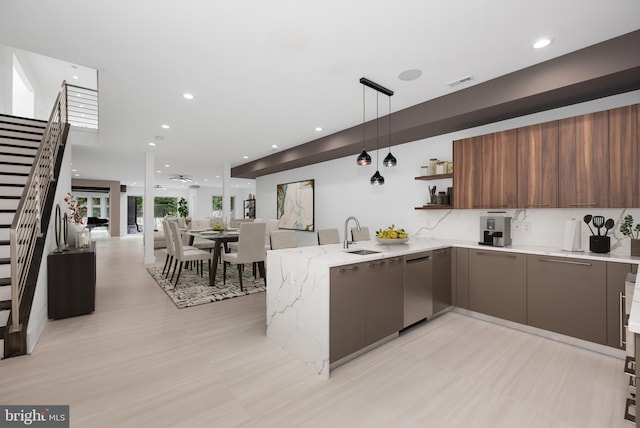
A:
x: 268, y: 73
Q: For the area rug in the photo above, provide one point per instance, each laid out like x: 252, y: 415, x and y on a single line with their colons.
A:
x: 193, y: 290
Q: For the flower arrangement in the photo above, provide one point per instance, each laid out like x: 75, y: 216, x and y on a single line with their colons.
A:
x: 77, y: 210
x: 627, y: 228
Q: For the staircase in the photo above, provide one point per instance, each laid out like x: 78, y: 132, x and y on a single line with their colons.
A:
x: 19, y: 142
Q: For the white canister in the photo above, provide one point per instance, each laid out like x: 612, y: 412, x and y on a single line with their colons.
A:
x: 572, y: 239
x: 424, y: 170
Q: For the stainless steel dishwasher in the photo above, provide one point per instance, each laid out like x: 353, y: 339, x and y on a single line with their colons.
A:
x: 418, y: 289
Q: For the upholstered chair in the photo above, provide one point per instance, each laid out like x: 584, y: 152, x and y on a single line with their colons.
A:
x: 328, y: 236
x: 250, y: 250
x: 283, y: 239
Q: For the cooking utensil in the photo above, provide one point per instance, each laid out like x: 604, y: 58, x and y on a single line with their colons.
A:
x: 587, y: 219
x: 598, y: 221
x: 608, y: 225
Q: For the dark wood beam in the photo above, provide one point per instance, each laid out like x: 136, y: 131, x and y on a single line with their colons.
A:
x: 608, y: 68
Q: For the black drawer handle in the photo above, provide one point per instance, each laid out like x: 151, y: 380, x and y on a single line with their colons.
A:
x: 418, y: 260
x: 496, y: 254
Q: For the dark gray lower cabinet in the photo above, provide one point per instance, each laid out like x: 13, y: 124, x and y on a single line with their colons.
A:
x: 347, y: 320
x: 461, y: 278
x: 498, y: 284
x: 568, y: 296
x: 366, y: 305
x: 616, y: 276
x: 441, y: 279
x: 418, y: 287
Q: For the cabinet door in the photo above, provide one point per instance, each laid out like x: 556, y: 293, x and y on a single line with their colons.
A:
x: 538, y: 166
x: 441, y: 279
x: 347, y: 319
x: 395, y: 295
x: 616, y: 276
x: 376, y: 301
x: 467, y: 174
x: 499, y: 159
x: 462, y: 278
x: 624, y: 157
x: 567, y: 296
x: 498, y: 284
x: 584, y: 155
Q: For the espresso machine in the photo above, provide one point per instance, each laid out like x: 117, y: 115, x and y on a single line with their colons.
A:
x: 495, y: 229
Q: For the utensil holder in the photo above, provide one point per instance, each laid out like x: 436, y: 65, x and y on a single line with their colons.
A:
x: 599, y: 244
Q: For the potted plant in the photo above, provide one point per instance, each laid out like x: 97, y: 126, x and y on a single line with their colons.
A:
x: 627, y: 228
x: 183, y: 208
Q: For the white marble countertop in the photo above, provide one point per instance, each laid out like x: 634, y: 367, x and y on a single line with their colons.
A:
x: 334, y: 255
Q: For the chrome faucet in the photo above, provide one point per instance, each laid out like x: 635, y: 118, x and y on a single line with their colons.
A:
x: 346, y: 223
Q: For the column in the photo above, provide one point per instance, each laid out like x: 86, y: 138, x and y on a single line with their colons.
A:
x: 149, y: 173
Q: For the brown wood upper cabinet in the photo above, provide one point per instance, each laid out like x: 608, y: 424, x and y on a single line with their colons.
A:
x: 467, y: 175
x: 624, y: 157
x: 538, y: 166
x: 584, y: 161
x: 485, y: 172
x: 499, y: 155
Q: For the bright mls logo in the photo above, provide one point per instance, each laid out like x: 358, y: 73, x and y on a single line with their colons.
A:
x: 34, y: 416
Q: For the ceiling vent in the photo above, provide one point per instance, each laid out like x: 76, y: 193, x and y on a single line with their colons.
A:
x: 194, y: 186
x: 460, y: 81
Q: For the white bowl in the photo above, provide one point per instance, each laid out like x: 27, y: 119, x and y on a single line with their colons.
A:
x: 388, y: 241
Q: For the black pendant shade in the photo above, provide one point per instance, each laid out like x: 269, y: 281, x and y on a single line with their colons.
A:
x: 364, y: 158
x: 390, y: 160
x: 377, y: 179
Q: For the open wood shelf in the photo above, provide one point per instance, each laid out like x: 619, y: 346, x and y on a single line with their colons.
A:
x: 434, y: 177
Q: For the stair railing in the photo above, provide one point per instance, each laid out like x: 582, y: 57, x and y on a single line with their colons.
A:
x: 27, y: 223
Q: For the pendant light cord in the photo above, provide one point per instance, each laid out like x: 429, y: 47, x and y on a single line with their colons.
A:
x: 363, y: 118
x: 377, y: 129
x: 389, y: 124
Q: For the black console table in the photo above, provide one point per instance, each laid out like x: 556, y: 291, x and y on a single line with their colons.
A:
x: 72, y: 282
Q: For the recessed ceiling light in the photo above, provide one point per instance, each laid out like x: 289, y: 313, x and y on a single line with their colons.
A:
x: 76, y: 175
x: 165, y: 126
x: 74, y: 170
x: 217, y: 176
x: 206, y: 179
x: 274, y: 146
x: 159, y: 172
x: 187, y: 96
x: 152, y: 143
x: 542, y: 43
x: 245, y: 157
x: 76, y: 77
x: 409, y: 75
x: 167, y: 165
x: 318, y: 129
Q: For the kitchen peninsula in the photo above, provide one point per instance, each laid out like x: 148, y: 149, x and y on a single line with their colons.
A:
x: 300, y: 279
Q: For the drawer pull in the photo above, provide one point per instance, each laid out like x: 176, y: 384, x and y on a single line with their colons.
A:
x: 537, y: 205
x: 583, y: 204
x: 372, y: 264
x: 497, y: 254
x: 621, y: 299
x: 344, y: 269
x: 565, y: 262
x: 420, y: 259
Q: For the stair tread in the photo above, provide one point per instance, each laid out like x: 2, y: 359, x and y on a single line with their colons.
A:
x: 5, y: 260
x: 5, y: 281
x: 19, y: 174
x: 20, y: 155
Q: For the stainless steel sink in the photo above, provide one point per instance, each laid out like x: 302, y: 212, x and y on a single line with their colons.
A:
x: 363, y: 252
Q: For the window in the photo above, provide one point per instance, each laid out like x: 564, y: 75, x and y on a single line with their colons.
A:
x: 164, y: 206
x: 216, y: 205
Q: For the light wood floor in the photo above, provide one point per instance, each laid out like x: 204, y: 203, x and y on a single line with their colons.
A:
x: 138, y: 361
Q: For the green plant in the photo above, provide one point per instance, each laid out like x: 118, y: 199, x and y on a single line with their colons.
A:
x: 183, y: 208
x: 628, y: 229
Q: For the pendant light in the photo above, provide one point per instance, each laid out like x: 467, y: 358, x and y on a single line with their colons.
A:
x: 390, y: 160
x: 364, y: 158
x: 377, y: 179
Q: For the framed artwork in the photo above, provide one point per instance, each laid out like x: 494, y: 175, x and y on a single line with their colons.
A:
x: 295, y: 205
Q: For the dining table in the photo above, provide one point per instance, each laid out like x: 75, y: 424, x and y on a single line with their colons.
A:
x: 221, y: 239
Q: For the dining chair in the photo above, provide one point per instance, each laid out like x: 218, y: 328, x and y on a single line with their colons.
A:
x: 360, y: 235
x: 283, y: 239
x: 272, y: 226
x: 328, y: 236
x: 250, y: 250
x: 190, y: 255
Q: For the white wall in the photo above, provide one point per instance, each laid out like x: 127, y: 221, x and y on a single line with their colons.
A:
x: 342, y: 188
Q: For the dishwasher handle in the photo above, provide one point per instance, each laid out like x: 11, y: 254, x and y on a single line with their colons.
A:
x: 419, y: 259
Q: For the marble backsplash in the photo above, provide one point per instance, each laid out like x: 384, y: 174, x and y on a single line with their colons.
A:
x: 532, y: 227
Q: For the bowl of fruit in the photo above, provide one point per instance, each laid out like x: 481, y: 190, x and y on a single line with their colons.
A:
x: 391, y: 235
